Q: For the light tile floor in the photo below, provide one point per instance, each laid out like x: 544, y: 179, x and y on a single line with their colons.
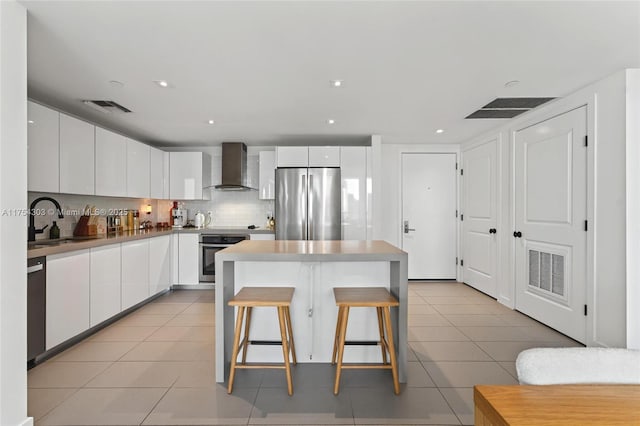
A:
x: 155, y: 367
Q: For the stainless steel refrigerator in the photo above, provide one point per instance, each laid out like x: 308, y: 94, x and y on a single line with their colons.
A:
x: 308, y: 203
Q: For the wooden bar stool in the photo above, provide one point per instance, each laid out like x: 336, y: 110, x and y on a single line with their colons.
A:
x: 366, y: 297
x: 252, y: 297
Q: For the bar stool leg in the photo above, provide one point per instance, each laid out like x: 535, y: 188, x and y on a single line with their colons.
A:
x: 383, y: 345
x: 236, y: 344
x: 336, y: 337
x: 292, y: 345
x: 392, y: 350
x: 343, y: 335
x: 285, y: 348
x: 247, y: 323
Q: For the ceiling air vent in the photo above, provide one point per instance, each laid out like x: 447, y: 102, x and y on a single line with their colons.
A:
x: 507, y: 107
x: 106, y: 106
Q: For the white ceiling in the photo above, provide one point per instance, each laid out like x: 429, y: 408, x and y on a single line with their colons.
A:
x: 261, y: 70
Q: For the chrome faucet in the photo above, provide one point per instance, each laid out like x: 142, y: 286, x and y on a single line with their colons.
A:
x: 32, y: 228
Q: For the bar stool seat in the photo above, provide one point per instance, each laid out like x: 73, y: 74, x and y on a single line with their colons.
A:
x: 247, y: 299
x: 366, y: 297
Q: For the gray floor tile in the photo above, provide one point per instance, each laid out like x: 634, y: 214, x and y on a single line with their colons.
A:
x: 436, y: 334
x: 461, y: 320
x: 307, y: 405
x: 104, y: 407
x: 171, y: 351
x: 449, y: 351
x: 203, y: 406
x: 136, y: 375
x: 42, y: 401
x: 465, y: 374
x: 495, y: 334
x: 431, y: 320
x: 412, y: 406
x: 461, y: 400
x: 508, y: 351
x: 64, y: 374
x: 96, y: 351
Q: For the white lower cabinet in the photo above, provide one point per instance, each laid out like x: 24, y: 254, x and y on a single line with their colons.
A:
x: 188, y: 257
x: 262, y: 236
x: 135, y: 272
x: 159, y: 264
x: 105, y: 283
x: 68, y: 277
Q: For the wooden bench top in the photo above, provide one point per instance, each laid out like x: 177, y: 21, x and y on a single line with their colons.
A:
x: 263, y: 296
x: 364, y: 297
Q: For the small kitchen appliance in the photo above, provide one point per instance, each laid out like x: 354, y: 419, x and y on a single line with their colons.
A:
x: 179, y: 217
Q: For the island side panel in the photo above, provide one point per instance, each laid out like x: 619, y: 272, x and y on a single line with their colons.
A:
x: 224, y: 317
x: 399, y: 287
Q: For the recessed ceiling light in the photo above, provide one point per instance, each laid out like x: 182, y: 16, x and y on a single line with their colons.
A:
x: 511, y: 83
x: 162, y: 83
x: 331, y: 121
x: 30, y: 121
x: 336, y: 83
x: 211, y: 122
x: 116, y: 83
x: 440, y: 131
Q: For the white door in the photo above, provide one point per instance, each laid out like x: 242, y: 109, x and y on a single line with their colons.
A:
x: 550, y: 214
x: 429, y: 214
x: 478, y: 214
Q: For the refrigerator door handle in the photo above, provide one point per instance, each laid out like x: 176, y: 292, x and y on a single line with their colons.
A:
x: 310, y: 208
x: 304, y: 224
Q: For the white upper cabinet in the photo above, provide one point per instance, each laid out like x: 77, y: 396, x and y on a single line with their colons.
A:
x: 308, y: 156
x: 156, y: 173
x: 189, y: 172
x: 111, y: 163
x: 77, y: 148
x: 43, y: 155
x: 292, y: 156
x: 324, y: 156
x: 353, y: 171
x: 138, y: 169
x: 267, y: 185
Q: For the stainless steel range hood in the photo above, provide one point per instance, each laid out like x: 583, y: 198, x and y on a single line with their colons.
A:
x: 234, y: 167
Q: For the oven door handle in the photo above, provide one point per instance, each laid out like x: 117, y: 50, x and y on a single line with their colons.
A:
x: 216, y: 245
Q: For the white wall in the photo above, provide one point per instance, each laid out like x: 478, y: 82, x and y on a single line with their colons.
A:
x: 13, y: 195
x: 607, y: 283
x: 633, y: 208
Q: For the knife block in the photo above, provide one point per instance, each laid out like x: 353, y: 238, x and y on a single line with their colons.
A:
x: 84, y: 229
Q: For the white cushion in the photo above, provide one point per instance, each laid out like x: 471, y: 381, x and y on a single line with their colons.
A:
x: 549, y: 366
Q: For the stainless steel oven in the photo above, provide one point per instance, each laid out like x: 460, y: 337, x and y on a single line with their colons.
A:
x: 209, y: 245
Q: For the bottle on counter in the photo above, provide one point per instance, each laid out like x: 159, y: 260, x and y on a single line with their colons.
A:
x: 171, y: 213
x: 54, y: 232
x: 130, y: 219
x: 136, y: 220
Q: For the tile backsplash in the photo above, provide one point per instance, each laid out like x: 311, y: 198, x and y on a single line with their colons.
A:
x: 233, y: 208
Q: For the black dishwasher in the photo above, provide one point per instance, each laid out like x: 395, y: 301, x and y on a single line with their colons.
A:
x: 36, y: 306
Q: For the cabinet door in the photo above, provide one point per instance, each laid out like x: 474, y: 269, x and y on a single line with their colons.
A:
x: 292, y: 156
x: 135, y: 272
x: 111, y: 163
x: 165, y: 177
x: 43, y: 143
x: 188, y: 259
x: 68, y: 277
x: 267, y: 184
x: 77, y: 148
x: 175, y: 254
x: 159, y: 264
x: 353, y: 170
x: 262, y: 237
x: 105, y: 283
x: 185, y: 175
x: 137, y: 169
x: 324, y: 156
x: 156, y: 173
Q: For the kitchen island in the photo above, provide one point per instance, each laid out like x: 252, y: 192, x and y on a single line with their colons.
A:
x: 314, y: 268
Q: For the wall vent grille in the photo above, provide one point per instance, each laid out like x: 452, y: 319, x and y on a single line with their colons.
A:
x: 507, y: 107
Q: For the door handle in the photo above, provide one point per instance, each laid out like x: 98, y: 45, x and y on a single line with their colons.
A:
x: 406, y: 227
x: 492, y: 231
x: 35, y: 268
x: 517, y: 234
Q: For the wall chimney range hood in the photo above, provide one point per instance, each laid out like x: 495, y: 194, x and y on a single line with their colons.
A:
x: 234, y: 167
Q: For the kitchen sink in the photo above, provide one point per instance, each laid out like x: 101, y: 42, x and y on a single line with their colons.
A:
x: 57, y: 242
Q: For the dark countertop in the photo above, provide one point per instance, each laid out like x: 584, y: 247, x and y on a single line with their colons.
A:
x: 64, y: 245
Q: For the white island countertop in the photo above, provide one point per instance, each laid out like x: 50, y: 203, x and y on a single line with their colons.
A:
x: 285, y: 250
x: 313, y: 268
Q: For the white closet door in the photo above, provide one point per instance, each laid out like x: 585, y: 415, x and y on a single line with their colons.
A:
x: 550, y: 213
x: 479, y: 214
